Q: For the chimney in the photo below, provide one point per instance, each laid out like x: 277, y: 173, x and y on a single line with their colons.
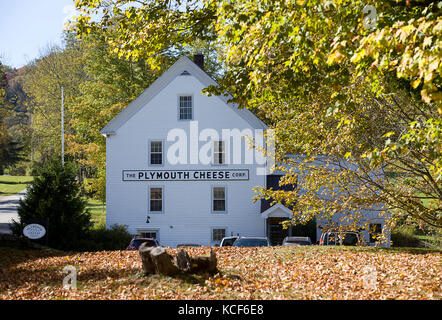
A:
x: 198, y: 58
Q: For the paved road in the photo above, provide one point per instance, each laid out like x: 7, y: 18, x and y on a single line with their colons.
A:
x: 8, y: 210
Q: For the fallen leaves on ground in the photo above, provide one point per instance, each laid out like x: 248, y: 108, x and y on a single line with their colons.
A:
x: 244, y: 273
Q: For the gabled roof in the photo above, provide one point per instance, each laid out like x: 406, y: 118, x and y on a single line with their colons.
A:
x: 183, y: 65
x: 270, y: 211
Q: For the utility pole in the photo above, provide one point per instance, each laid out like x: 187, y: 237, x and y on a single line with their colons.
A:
x: 62, y: 129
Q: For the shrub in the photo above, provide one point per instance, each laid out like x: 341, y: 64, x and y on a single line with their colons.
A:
x: 20, y: 169
x: 404, y: 236
x: 35, y: 168
x: 100, y: 238
x: 55, y: 194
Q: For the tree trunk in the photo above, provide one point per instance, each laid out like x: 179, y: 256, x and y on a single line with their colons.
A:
x: 163, y: 261
x: 157, y: 260
x: 148, y: 266
x: 203, y: 264
x: 182, y: 260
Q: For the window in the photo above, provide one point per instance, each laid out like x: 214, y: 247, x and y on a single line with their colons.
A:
x: 375, y: 231
x: 156, y: 152
x: 219, y: 152
x: 148, y: 234
x: 218, y: 234
x: 156, y: 199
x: 331, y: 238
x: 185, y: 105
x: 219, y: 199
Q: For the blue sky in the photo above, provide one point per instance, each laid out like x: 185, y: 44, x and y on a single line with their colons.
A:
x: 28, y: 26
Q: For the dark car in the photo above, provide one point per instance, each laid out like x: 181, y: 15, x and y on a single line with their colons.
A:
x: 135, y: 243
x: 228, y: 241
x: 346, y: 238
x: 251, y: 242
x: 297, y: 241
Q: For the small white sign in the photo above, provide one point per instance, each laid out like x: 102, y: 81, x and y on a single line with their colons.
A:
x: 34, y: 231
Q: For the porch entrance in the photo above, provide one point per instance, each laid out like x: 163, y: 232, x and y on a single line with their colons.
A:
x: 275, y: 232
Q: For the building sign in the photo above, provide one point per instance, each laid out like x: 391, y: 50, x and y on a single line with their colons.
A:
x: 34, y: 231
x: 186, y: 175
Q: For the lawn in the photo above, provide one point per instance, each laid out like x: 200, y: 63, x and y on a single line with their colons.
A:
x: 98, y: 211
x: 431, y: 241
x: 10, y: 185
x: 311, y: 272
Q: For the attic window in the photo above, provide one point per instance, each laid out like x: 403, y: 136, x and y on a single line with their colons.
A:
x: 185, y: 73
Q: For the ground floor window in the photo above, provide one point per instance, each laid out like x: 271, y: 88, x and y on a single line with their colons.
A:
x: 375, y: 230
x: 154, y: 234
x: 218, y: 234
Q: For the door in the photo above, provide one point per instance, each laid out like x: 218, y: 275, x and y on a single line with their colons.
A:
x: 275, y: 231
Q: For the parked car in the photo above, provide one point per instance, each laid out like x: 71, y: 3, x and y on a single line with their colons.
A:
x: 251, y: 242
x: 296, y: 241
x: 135, y: 243
x: 228, y: 241
x: 185, y: 245
x: 345, y: 238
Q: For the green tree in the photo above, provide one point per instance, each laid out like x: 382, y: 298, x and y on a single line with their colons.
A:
x: 55, y: 194
x: 9, y: 149
x: 10, y: 153
x: 19, y: 122
x: 3, y: 111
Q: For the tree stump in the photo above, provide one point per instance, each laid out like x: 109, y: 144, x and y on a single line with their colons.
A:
x: 148, y: 266
x: 203, y: 264
x: 163, y: 261
x: 182, y: 260
x: 157, y: 260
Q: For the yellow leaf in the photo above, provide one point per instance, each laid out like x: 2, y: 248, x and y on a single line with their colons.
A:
x: 416, y: 83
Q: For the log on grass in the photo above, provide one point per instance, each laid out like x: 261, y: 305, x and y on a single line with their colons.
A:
x: 157, y: 260
x: 146, y: 259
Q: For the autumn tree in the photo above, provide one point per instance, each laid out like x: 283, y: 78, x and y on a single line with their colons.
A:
x: 111, y: 83
x: 57, y: 68
x: 357, y: 81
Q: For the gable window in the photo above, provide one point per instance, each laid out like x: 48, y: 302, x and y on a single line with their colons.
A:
x: 156, y: 199
x: 218, y: 234
x: 185, y: 108
x: 219, y: 199
x: 219, y: 152
x: 156, y: 153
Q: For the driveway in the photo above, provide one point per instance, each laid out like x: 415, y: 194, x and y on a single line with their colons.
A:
x: 8, y: 210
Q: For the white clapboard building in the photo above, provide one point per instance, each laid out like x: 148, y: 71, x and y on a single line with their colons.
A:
x: 179, y: 166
